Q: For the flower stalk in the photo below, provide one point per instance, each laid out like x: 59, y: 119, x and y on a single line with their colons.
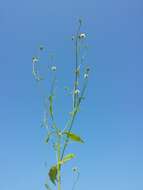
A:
x: 60, y: 138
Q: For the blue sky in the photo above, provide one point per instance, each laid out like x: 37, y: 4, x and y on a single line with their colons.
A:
x: 111, y: 120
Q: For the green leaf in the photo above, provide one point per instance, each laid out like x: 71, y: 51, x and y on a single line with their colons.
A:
x: 51, y: 110
x: 67, y: 158
x: 53, y: 174
x: 51, y: 105
x: 48, y: 137
x: 73, y: 137
x: 51, y: 99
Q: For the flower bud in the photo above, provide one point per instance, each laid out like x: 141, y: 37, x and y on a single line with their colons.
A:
x: 53, y: 68
x: 77, y: 91
x: 82, y: 36
x: 35, y: 59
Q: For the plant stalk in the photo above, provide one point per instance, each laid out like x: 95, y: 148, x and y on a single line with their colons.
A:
x: 75, y: 103
x: 58, y: 164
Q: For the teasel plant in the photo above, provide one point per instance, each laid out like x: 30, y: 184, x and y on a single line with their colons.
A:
x: 61, y: 137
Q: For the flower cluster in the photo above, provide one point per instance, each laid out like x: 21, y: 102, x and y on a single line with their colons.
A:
x: 82, y: 36
x: 53, y: 68
x: 35, y: 59
x: 77, y: 91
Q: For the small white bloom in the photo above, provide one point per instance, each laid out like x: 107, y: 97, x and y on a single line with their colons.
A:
x: 85, y: 75
x: 53, y: 68
x: 77, y: 91
x: 60, y: 133
x: 75, y: 169
x: 35, y: 59
x: 82, y: 36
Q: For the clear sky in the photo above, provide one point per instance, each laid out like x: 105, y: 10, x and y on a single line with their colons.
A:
x: 111, y: 119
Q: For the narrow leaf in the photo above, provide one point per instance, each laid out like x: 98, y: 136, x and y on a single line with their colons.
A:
x: 48, y: 137
x: 51, y: 99
x: 67, y: 158
x: 51, y: 110
x: 53, y: 174
x: 73, y: 137
x: 51, y: 105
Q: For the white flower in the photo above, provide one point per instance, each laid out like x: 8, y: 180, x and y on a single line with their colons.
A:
x: 74, y: 169
x: 85, y: 75
x: 35, y: 59
x: 53, y: 68
x: 82, y: 36
x: 77, y: 91
x: 60, y: 133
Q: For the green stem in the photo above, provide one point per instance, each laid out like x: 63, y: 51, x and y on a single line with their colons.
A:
x: 73, y: 117
x: 67, y: 139
x: 76, y: 101
x: 76, y: 66
x: 58, y: 165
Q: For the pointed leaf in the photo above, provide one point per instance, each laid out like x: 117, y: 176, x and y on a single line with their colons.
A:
x: 48, y: 138
x: 51, y: 105
x: 51, y: 99
x: 51, y: 110
x: 73, y: 137
x: 53, y: 174
x: 67, y: 158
